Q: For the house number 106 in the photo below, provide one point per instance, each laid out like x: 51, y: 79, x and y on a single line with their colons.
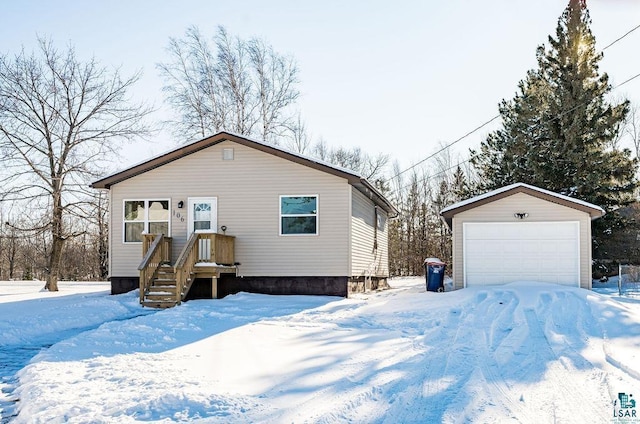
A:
x: 177, y: 215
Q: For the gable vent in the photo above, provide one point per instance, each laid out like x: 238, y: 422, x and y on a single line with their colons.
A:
x: 227, y: 154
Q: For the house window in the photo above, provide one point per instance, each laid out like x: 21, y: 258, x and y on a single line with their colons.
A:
x: 145, y: 216
x: 298, y: 215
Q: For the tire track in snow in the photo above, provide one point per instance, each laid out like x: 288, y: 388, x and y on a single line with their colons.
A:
x: 619, y: 375
x: 621, y: 369
x: 465, y: 378
x: 562, y: 363
x: 362, y: 403
x: 488, y: 328
x: 487, y: 358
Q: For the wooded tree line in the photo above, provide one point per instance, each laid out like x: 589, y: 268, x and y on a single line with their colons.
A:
x: 63, y: 119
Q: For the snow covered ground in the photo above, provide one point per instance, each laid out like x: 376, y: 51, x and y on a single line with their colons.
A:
x: 524, y: 352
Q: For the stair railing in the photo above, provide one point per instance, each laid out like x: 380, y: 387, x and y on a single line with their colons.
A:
x: 185, y: 264
x: 154, y: 256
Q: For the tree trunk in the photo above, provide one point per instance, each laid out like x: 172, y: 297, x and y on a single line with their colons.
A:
x: 57, y: 240
x: 54, y: 264
x: 103, y: 257
x: 13, y: 251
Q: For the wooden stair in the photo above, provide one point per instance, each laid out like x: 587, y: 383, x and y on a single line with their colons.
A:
x: 162, y: 293
x: 163, y: 285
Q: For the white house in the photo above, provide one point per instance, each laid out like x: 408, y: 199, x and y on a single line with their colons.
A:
x: 283, y: 223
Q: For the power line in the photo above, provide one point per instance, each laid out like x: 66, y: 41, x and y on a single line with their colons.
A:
x: 447, y: 146
x: 615, y: 41
x: 497, y: 116
x: 628, y: 80
x: 443, y: 171
x: 432, y: 176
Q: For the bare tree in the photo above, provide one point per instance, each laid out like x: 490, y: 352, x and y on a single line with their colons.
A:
x: 11, y: 250
x: 371, y: 167
x: 298, y: 139
x: 243, y: 86
x: 237, y: 89
x: 192, y: 85
x: 321, y: 149
x: 23, y: 248
x: 59, y: 117
x: 631, y: 128
x: 100, y: 217
x: 275, y: 79
x: 9, y: 243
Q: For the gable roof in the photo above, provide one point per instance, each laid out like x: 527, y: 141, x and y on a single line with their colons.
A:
x: 357, y: 181
x: 550, y: 196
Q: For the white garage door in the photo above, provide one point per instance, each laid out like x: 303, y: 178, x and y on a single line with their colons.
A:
x: 504, y: 252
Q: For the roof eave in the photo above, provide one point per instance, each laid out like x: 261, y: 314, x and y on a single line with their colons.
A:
x: 155, y: 162
x: 594, y: 211
x: 365, y: 187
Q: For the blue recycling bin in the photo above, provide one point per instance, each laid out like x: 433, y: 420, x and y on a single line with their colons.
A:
x: 434, y: 273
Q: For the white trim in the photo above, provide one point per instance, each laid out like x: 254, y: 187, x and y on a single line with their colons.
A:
x: 516, y: 185
x: 146, y: 217
x: 214, y: 214
x: 316, y: 215
x: 110, y: 235
x: 350, y: 233
x: 464, y: 242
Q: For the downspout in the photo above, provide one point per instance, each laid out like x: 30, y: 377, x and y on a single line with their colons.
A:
x: 375, y: 229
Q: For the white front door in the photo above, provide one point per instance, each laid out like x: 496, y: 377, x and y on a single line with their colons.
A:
x: 203, y: 215
x: 203, y: 218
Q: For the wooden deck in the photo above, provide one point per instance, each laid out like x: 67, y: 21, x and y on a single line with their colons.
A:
x: 164, y: 284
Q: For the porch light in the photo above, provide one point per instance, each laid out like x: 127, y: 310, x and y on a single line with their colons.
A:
x: 521, y: 215
x: 180, y: 204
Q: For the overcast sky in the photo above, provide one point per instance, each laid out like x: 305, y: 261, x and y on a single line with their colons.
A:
x: 399, y: 77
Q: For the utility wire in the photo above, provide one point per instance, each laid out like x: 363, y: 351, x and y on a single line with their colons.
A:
x: 628, y: 80
x: 447, y: 146
x: 615, y: 41
x: 443, y: 171
x: 497, y: 116
x: 432, y: 176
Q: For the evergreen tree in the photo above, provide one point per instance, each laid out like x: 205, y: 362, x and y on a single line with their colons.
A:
x: 557, y: 131
x: 459, y: 186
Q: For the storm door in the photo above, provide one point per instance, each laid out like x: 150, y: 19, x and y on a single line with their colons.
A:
x: 203, y: 218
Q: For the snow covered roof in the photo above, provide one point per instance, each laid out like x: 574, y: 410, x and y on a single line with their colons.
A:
x: 593, y: 210
x: 359, y: 182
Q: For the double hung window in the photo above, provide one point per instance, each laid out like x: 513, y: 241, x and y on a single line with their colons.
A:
x: 145, y: 216
x: 299, y: 215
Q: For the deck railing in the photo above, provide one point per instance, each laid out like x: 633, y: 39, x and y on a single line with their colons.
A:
x: 210, y: 248
x: 156, y: 250
x: 216, y: 248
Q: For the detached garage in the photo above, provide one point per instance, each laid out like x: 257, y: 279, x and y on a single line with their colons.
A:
x: 521, y: 233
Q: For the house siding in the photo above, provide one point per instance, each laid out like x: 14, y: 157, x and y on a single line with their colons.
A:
x: 365, y: 260
x: 247, y: 189
x: 539, y: 210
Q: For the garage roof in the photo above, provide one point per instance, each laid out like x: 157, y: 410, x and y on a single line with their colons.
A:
x: 448, y: 212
